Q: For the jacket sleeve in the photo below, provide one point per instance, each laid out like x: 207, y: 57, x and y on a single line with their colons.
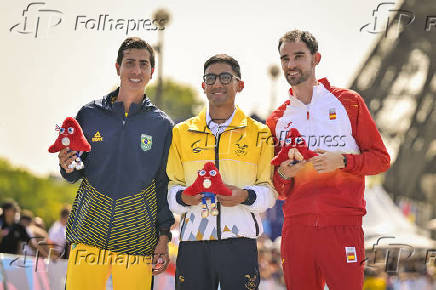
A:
x: 373, y: 157
x: 76, y: 174
x: 176, y: 174
x: 165, y: 218
x: 282, y: 186
x: 265, y: 193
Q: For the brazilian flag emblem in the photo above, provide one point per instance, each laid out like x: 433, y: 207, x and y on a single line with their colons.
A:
x: 146, y: 142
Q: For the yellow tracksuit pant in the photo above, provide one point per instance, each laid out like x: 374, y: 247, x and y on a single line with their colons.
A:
x: 90, y: 267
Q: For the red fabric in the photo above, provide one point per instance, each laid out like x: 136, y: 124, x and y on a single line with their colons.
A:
x: 293, y: 142
x: 313, y: 255
x: 339, y: 192
x: 216, y: 184
x: 76, y: 139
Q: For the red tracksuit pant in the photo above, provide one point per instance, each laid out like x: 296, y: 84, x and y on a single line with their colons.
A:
x: 316, y: 250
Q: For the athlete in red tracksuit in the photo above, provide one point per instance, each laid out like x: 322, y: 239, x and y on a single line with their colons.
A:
x: 322, y: 237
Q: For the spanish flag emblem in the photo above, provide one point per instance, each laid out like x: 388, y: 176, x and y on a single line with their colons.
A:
x: 350, y: 253
x: 332, y: 114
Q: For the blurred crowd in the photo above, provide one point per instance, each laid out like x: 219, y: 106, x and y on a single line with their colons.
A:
x: 23, y: 233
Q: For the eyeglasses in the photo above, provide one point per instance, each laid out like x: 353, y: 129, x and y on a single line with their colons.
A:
x: 225, y: 78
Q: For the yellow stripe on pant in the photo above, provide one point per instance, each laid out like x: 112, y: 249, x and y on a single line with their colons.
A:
x: 90, y: 267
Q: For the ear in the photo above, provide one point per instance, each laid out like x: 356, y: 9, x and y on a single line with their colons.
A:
x: 317, y: 58
x: 240, y: 86
x: 117, y: 66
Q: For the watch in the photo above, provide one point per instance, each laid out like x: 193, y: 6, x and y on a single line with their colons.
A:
x: 282, y: 175
x: 345, y: 160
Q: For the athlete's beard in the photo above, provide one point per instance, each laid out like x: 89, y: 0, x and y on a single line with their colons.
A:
x: 293, y: 81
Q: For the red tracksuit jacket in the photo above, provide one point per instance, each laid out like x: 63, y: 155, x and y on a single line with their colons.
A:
x: 335, y: 120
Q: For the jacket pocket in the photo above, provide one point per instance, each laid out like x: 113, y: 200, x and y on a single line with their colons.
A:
x: 133, y: 229
x: 90, y: 218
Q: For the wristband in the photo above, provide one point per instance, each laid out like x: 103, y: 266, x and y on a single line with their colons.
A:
x: 165, y: 232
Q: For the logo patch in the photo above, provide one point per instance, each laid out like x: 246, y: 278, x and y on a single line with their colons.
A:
x: 241, y: 150
x: 332, y: 114
x: 97, y: 137
x: 251, y: 282
x: 146, y: 142
x: 289, y: 125
x: 350, y: 253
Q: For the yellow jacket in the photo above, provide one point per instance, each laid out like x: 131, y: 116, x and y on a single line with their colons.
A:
x: 242, y: 155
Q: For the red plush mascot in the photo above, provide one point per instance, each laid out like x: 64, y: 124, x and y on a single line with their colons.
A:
x: 209, y: 183
x: 71, y: 136
x: 295, y: 149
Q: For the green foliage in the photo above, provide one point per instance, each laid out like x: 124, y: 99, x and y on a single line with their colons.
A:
x: 43, y: 196
x: 179, y: 101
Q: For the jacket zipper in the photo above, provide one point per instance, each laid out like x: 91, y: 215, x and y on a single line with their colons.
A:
x: 217, y: 164
x: 218, y: 204
x: 114, y: 201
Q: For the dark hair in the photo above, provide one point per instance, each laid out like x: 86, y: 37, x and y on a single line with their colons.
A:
x: 224, y: 58
x: 26, y: 215
x: 298, y: 35
x: 135, y: 42
x: 65, y: 212
x: 10, y: 204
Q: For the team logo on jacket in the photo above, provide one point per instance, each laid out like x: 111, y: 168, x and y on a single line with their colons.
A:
x: 97, y: 137
x: 350, y: 252
x: 332, y: 114
x: 251, y: 283
x: 241, y: 150
x: 146, y: 142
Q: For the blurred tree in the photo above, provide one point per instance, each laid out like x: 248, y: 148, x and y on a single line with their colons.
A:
x: 43, y: 196
x: 179, y: 101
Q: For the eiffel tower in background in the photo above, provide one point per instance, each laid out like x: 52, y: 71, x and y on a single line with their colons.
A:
x: 398, y: 83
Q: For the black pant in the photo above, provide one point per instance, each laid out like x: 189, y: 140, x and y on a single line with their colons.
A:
x: 232, y: 263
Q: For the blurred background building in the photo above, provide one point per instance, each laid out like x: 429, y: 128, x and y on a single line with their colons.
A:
x: 398, y: 82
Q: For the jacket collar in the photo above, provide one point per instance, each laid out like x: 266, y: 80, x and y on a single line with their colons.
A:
x: 322, y: 81
x: 323, y: 84
x: 107, y: 103
x: 198, y: 123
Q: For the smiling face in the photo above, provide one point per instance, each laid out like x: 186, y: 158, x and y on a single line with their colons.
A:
x: 135, y: 70
x: 298, y: 63
x: 220, y: 95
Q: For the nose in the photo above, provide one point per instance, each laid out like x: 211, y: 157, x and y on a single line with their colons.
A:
x: 217, y: 83
x: 137, y: 68
x: 291, y: 64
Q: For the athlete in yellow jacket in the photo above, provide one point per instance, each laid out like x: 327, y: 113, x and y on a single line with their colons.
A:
x: 221, y: 249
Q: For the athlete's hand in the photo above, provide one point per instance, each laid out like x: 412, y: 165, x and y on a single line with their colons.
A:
x: 161, y: 257
x: 66, y: 158
x: 238, y: 196
x: 327, y: 161
x: 191, y: 200
x: 290, y: 170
